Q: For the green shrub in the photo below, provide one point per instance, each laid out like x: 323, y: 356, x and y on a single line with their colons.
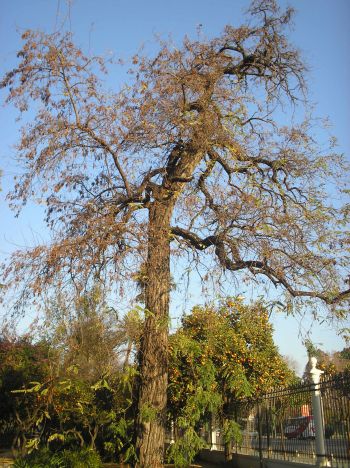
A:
x: 183, y: 451
x: 82, y: 458
x: 44, y: 458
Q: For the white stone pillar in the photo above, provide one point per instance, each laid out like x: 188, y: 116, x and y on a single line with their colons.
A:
x: 213, y: 445
x: 318, y: 414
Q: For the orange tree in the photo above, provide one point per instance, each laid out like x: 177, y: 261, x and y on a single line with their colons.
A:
x: 219, y: 356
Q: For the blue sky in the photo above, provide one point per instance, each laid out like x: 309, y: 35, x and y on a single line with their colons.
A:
x: 121, y: 27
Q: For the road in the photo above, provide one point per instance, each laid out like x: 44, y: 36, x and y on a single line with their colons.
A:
x: 336, y: 447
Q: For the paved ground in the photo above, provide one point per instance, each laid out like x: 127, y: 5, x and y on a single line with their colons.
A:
x: 7, y: 463
x: 203, y: 464
x: 208, y: 465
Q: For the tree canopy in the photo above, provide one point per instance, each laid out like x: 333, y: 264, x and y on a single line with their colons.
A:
x: 195, y: 126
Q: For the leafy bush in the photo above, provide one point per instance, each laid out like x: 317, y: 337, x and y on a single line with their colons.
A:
x: 44, y: 458
x: 184, y: 449
x: 82, y: 458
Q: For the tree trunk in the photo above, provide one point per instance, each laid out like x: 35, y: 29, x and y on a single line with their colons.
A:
x: 153, y: 365
x: 228, y: 451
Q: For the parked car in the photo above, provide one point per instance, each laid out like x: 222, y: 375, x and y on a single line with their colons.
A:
x: 302, y: 427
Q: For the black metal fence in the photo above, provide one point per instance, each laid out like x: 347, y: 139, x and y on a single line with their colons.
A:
x: 281, y: 424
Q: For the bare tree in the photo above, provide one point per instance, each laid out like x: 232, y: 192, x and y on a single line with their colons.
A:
x: 188, y: 155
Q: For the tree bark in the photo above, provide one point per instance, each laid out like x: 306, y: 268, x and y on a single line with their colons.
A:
x: 228, y: 443
x: 153, y: 365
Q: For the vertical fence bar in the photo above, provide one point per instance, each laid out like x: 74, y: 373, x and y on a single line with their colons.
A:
x: 260, y: 437
x: 267, y: 413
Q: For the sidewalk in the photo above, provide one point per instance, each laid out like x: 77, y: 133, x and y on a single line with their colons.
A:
x: 207, y: 465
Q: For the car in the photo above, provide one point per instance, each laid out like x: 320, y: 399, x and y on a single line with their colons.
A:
x: 301, y: 427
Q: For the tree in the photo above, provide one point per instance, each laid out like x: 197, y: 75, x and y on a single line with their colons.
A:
x: 345, y: 353
x: 331, y: 363
x: 188, y: 154
x: 219, y: 357
x: 86, y: 334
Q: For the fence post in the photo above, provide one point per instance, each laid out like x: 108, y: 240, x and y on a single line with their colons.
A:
x: 172, y: 432
x: 267, y: 412
x: 213, y: 444
x: 318, y: 414
x: 261, y: 462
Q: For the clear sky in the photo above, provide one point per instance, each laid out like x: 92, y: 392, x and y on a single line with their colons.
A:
x: 120, y: 27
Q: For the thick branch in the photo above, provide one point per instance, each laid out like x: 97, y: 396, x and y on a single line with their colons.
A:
x: 255, y: 266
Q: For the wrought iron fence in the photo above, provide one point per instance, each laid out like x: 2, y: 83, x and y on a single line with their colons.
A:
x: 281, y: 424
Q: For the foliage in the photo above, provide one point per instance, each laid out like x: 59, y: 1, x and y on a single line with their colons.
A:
x: 345, y: 353
x: 185, y: 448
x: 232, y: 431
x: 83, y: 333
x: 74, y: 412
x: 228, y: 349
x: 101, y: 159
x: 331, y: 363
x: 21, y: 363
x: 218, y: 357
x: 61, y: 392
x: 44, y: 458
